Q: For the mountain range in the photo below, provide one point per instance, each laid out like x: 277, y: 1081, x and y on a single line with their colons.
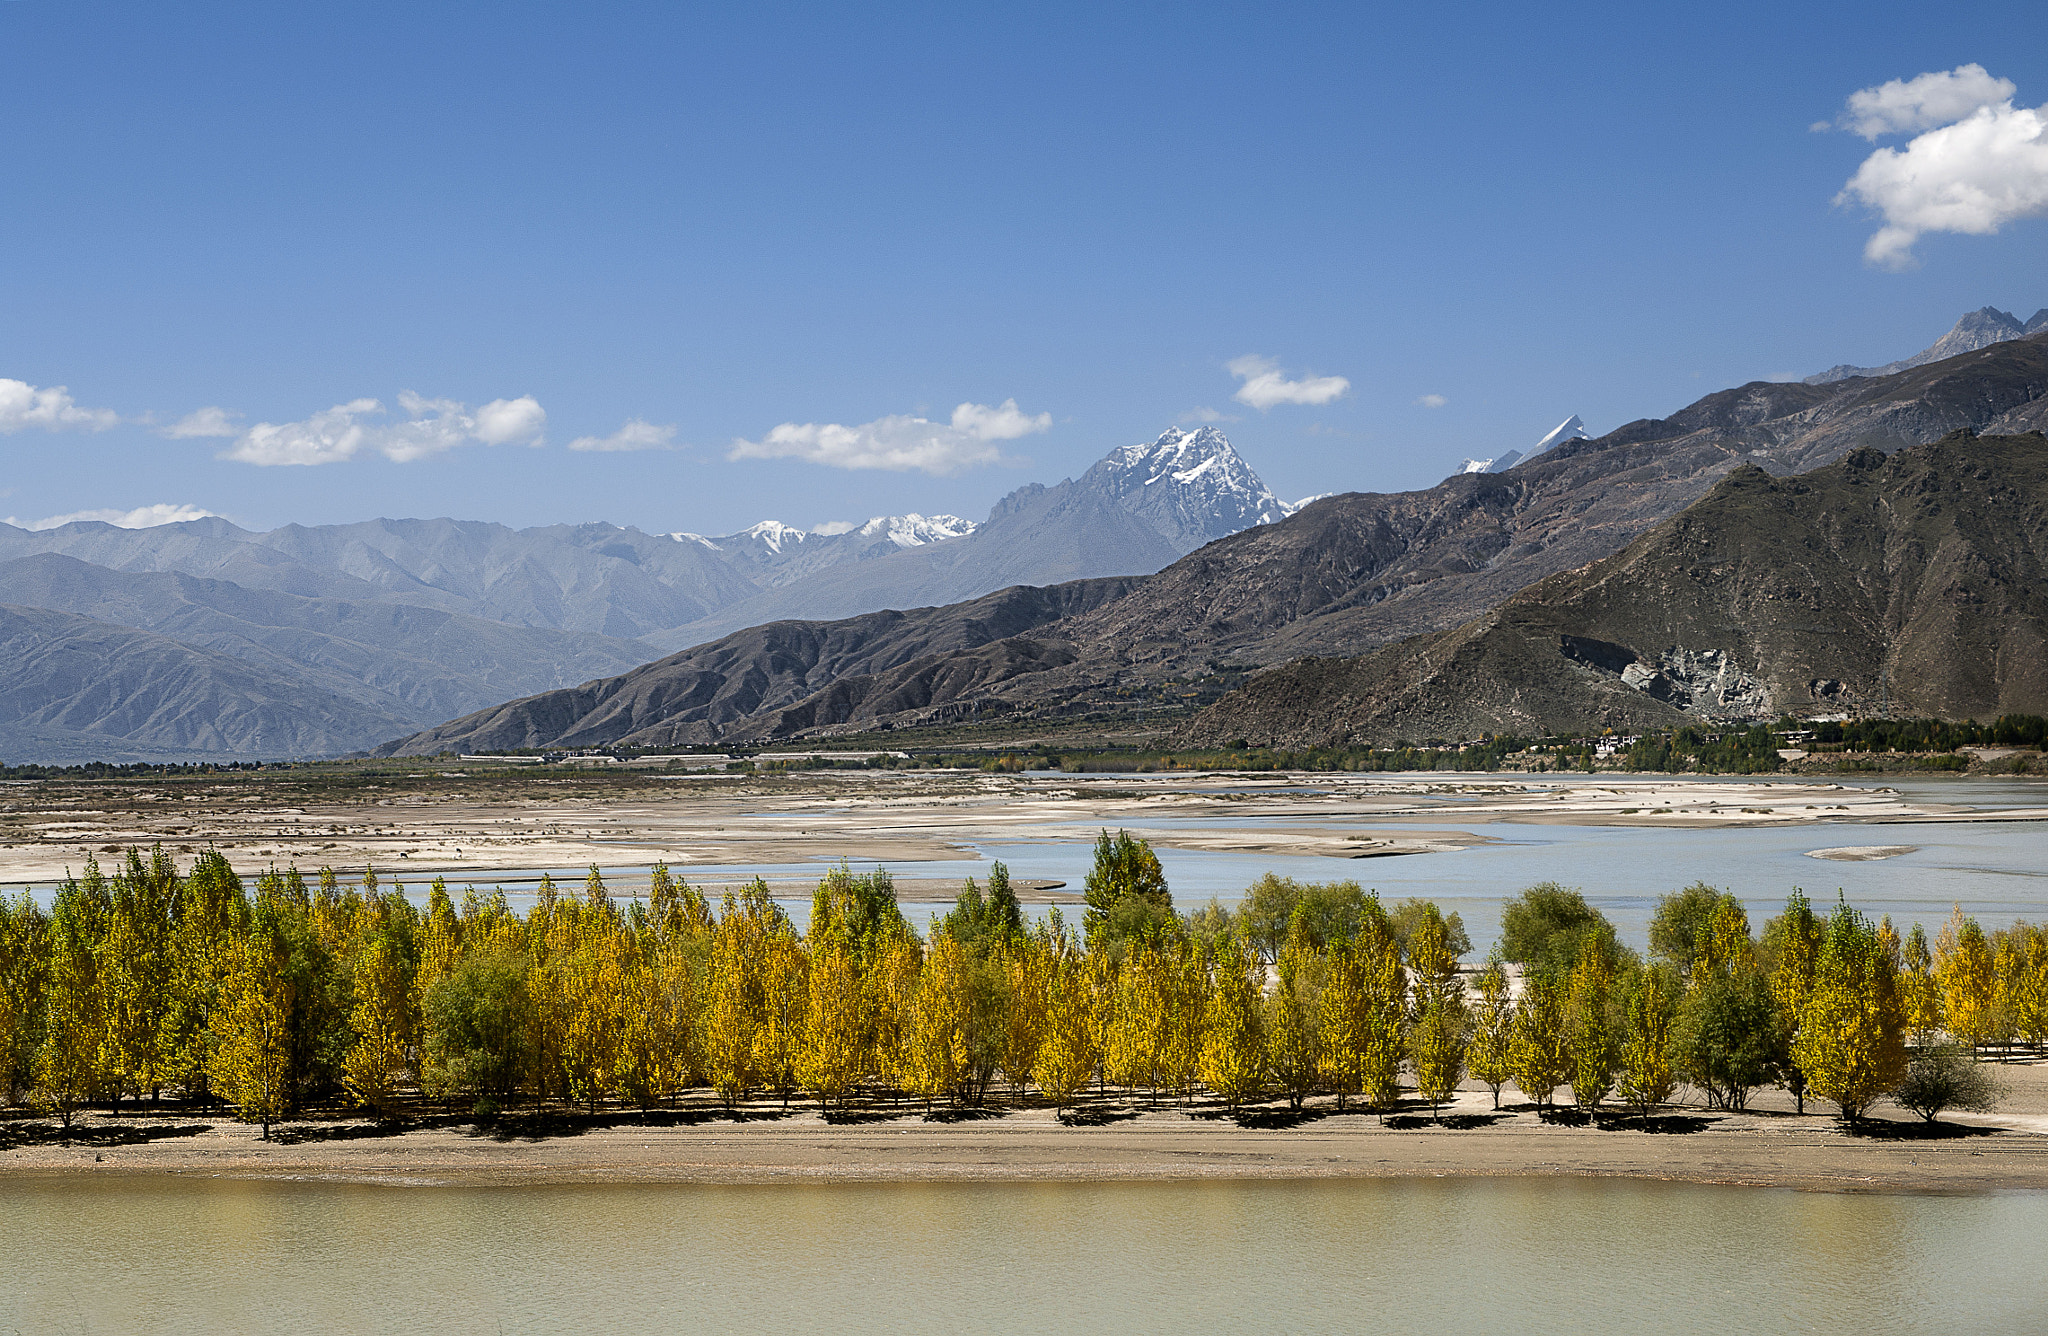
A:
x: 389, y: 626
x: 1339, y: 578
x: 1914, y: 584
x: 1979, y: 329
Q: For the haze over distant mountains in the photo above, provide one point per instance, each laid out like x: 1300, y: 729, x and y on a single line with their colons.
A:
x: 387, y: 626
x: 1979, y: 329
x: 204, y: 639
x: 1343, y: 576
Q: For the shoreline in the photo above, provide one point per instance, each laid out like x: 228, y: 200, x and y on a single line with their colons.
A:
x: 1761, y: 1147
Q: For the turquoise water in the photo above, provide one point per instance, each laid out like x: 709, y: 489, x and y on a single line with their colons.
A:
x: 1481, y: 1256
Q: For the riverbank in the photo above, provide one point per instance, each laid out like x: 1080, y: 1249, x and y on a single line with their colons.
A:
x: 1766, y: 1146
x: 477, y: 828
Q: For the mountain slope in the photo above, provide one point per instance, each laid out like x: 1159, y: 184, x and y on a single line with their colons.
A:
x: 395, y: 659
x: 738, y: 687
x: 1978, y: 329
x: 1353, y: 572
x: 1914, y: 585
x: 115, y: 693
x: 1131, y: 513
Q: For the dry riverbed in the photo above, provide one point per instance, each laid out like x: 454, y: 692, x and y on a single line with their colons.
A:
x: 467, y: 826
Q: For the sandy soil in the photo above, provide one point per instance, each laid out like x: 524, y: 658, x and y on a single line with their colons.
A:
x: 469, y: 827
x: 1767, y: 1145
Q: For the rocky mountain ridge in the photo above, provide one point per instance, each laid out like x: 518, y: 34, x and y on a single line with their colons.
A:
x: 1914, y: 584
x: 1339, y: 578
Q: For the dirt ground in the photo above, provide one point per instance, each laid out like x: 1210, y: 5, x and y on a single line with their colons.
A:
x: 1767, y: 1145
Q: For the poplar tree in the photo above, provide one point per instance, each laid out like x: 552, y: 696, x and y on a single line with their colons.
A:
x: 1918, y: 992
x: 1344, y: 1022
x: 1542, y: 1057
x: 1592, y: 1042
x: 1293, y: 1039
x: 935, y: 1040
x: 1066, y: 1057
x: 1966, y: 972
x: 785, y: 1012
x: 1027, y: 964
x: 835, y: 1049
x: 732, y: 1009
x: 1645, y: 1078
x: 1851, y: 1041
x: 1794, y: 937
x: 136, y: 976
x: 1438, y: 1034
x: 1438, y: 1043
x: 1490, y: 1057
x: 67, y: 1070
x: 24, y: 966
x: 385, y: 1022
x: 1233, y: 1045
x: 252, y: 1039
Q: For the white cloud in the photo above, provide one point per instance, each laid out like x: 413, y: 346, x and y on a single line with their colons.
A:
x: 1974, y: 177
x: 901, y: 442
x: 1923, y: 102
x: 634, y: 435
x: 22, y: 405
x: 1432, y: 401
x: 142, y: 517
x: 1265, y: 385
x: 431, y: 427
x: 204, y: 422
x: 511, y: 421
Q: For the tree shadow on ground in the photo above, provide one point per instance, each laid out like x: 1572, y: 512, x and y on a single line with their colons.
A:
x: 299, y: 1133
x: 856, y: 1117
x: 965, y: 1115
x: 17, y: 1135
x: 1085, y: 1117
x: 1269, y: 1120
x: 1870, y: 1130
x: 1456, y: 1122
x: 1661, y: 1124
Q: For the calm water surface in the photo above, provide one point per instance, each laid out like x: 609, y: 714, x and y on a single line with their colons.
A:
x: 1490, y: 1255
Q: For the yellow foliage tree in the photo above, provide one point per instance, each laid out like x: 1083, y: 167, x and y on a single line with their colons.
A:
x: 834, y: 1055
x: 385, y: 1022
x: 1490, y: 1058
x: 1851, y: 1040
x: 251, y: 1051
x: 1645, y: 1079
x: 1966, y: 972
x: 1233, y: 1041
x: 1542, y: 1057
x: 1066, y: 1057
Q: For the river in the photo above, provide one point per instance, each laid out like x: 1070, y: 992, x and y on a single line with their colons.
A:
x: 1479, y: 1255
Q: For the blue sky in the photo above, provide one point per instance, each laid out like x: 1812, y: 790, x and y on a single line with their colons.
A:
x: 697, y: 225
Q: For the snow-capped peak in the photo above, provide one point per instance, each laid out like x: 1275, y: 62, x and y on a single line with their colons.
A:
x: 780, y: 539
x: 1190, y: 483
x: 914, y: 530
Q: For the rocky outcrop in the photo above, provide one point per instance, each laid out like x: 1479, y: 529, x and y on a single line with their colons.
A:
x: 1910, y: 585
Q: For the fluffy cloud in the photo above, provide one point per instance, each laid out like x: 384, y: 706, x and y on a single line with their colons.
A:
x: 1921, y: 103
x: 1983, y: 165
x: 1266, y: 385
x: 636, y: 434
x: 901, y: 442
x: 431, y: 427
x: 1432, y: 401
x: 142, y: 517
x: 23, y: 405
x: 204, y: 422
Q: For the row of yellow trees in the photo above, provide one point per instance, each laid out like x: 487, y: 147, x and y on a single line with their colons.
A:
x: 148, y: 980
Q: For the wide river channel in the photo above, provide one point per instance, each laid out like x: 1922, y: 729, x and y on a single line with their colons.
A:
x: 1469, y: 1255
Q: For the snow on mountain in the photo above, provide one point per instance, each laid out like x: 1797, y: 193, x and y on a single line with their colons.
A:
x: 773, y: 536
x: 1191, y: 486
x: 1571, y: 429
x: 1979, y: 329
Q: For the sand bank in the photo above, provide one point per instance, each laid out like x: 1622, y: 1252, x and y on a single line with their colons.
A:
x: 1766, y: 1146
x: 469, y: 827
